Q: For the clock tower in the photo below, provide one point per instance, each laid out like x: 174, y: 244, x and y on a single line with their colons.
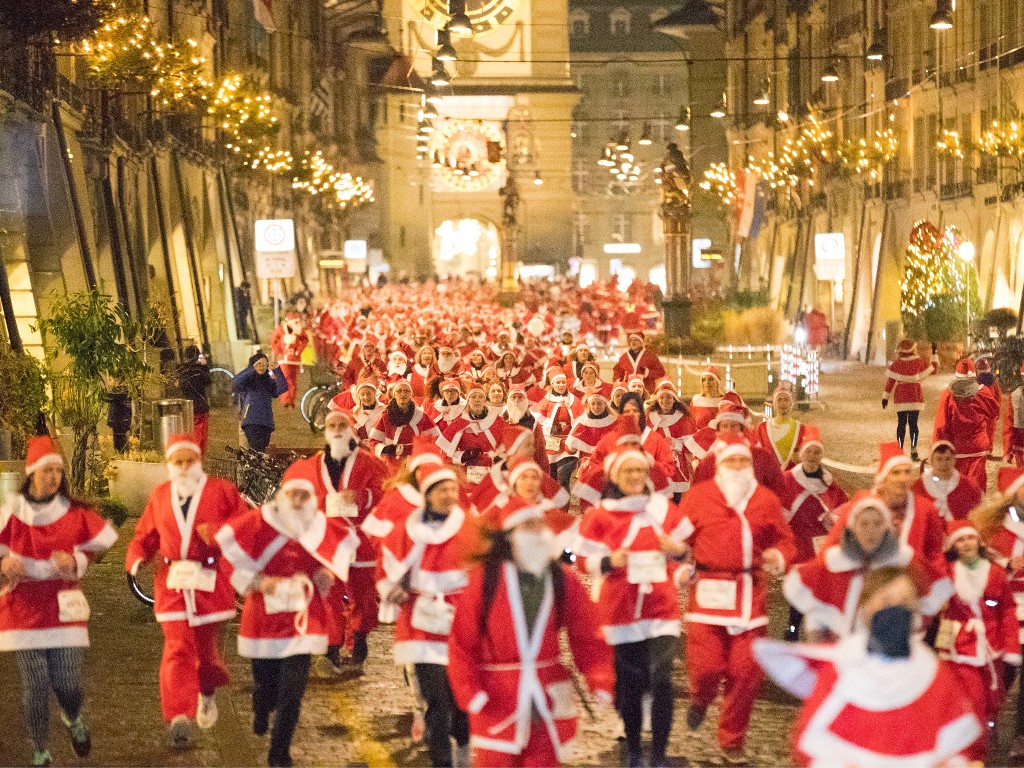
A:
x: 506, y: 114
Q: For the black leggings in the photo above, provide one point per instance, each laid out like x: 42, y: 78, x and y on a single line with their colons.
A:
x: 903, y: 419
x: 257, y: 436
x: 641, y: 668
x: 279, y: 684
x: 443, y: 718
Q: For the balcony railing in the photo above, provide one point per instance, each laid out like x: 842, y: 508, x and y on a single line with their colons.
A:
x: 954, y: 190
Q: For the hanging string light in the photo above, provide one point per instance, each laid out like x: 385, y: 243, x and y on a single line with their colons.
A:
x: 720, y: 180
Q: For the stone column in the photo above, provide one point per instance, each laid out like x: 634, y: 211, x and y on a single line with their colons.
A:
x: 509, y: 239
x: 675, y: 221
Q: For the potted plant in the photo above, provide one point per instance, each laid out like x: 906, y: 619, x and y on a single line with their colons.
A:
x: 24, y: 387
x: 132, y: 476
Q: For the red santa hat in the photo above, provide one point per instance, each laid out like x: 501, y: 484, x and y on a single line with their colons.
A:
x: 812, y: 436
x: 433, y: 474
x: 869, y: 501
x: 592, y: 394
x: 450, y: 383
x: 395, y: 381
x: 336, y: 410
x: 633, y: 378
x: 517, y: 389
x: 299, y: 476
x: 941, y: 444
x: 983, y: 364
x: 398, y: 354
x: 1009, y: 480
x: 958, y: 529
x: 730, y: 411
x: 666, y: 385
x: 635, y: 335
x: 581, y: 346
x: 613, y: 461
x: 518, y: 511
x: 520, y: 465
x: 424, y: 452
x: 474, y: 385
x: 713, y: 372
x: 592, y: 365
x: 556, y: 376
x: 907, y: 348
x: 784, y: 387
x: 512, y: 438
x: 617, y: 388
x: 181, y: 442
x: 965, y: 368
x: 731, y: 445
x: 891, y: 455
x: 42, y: 452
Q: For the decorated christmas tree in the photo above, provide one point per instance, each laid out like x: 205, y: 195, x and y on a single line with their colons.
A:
x: 934, y: 286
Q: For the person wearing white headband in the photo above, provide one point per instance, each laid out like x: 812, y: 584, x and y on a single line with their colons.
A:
x: 557, y: 412
x: 954, y: 494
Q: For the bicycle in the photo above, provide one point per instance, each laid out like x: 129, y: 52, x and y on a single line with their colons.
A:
x: 315, y: 404
x: 221, y: 390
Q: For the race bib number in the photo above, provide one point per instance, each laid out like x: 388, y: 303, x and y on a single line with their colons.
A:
x: 646, y: 568
x: 553, y: 444
x: 72, y: 605
x: 563, y: 701
x: 818, y: 542
x: 433, y: 615
x: 476, y: 474
x: 716, y: 594
x: 342, y: 504
x: 288, y: 597
x: 945, y: 639
x: 188, y: 574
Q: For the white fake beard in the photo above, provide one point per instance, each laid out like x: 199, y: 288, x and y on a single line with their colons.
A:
x: 735, y: 484
x: 185, y: 484
x: 295, y: 520
x: 396, y: 369
x: 532, y: 551
x: 446, y: 363
x: 341, y: 447
x: 516, y: 412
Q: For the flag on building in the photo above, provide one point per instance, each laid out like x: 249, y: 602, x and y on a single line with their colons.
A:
x: 748, y: 193
x: 320, y: 98
x: 263, y: 10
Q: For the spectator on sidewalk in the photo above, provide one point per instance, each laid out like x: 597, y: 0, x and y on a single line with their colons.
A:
x: 257, y: 386
x: 119, y: 414
x: 194, y: 382
x: 243, y: 309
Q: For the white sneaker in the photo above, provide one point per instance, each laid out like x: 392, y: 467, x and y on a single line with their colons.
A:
x: 460, y: 756
x: 181, y: 732
x: 206, y: 712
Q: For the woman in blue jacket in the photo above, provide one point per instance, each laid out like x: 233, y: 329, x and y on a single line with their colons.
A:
x: 257, y: 386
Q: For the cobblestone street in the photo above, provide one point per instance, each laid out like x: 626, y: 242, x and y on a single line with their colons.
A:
x: 365, y: 720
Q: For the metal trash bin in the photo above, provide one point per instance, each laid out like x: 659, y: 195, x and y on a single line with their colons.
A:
x: 173, y: 417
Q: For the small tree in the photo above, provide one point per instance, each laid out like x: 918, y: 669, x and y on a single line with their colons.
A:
x: 24, y: 395
x: 936, y: 284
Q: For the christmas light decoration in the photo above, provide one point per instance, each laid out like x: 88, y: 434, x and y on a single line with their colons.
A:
x: 335, y: 189
x: 949, y: 144
x: 271, y: 161
x: 865, y: 157
x: 1003, y: 139
x: 722, y: 181
x: 932, y: 269
x: 245, y: 114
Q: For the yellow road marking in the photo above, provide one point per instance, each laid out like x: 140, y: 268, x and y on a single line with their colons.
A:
x: 347, y: 711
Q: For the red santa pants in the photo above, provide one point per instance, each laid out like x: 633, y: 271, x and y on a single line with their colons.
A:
x: 539, y: 752
x: 974, y: 468
x: 977, y: 683
x: 713, y: 655
x: 201, y: 429
x: 291, y: 375
x: 191, y: 664
x: 356, y: 614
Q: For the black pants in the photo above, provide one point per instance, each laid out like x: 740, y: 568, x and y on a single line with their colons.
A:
x: 646, y: 667
x: 257, y: 436
x: 444, y: 719
x: 278, y: 685
x: 904, y: 419
x: 562, y: 470
x: 121, y: 439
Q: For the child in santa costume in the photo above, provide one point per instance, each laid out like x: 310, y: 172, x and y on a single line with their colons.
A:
x: 505, y: 667
x: 392, y: 435
x: 879, y: 697
x: 704, y: 405
x: 47, y: 542
x: 557, y: 412
x: 903, y: 387
x: 781, y: 435
x: 954, y: 494
x: 626, y: 546
x: 739, y: 537
x: 639, y: 360
x: 284, y: 557
x: 809, y: 497
x: 287, y: 343
x: 191, y: 584
x: 962, y: 417
x: 420, y: 572
x: 978, y: 632
x: 472, y: 438
x: 348, y: 482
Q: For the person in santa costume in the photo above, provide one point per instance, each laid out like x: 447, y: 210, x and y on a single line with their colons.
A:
x: 954, y: 494
x: 640, y: 361
x: 505, y: 666
x: 496, y: 486
x: 398, y: 365
x: 556, y: 413
x: 738, y: 538
x: 420, y: 573
x: 672, y: 418
x: 626, y: 545
x: 596, y: 421
x: 704, y: 405
x: 471, y: 439
x: 366, y: 409
x: 978, y: 632
x: 579, y: 356
x: 447, y: 360
x: 348, y: 482
x: 510, y: 372
x: 1013, y: 426
x: 962, y: 417
x: 476, y: 366
x: 365, y: 364
x: 284, y: 558
x: 781, y: 435
x: 424, y: 373
x: 903, y: 387
x: 496, y: 395
x: 517, y: 413
x: 287, y: 343
x: 809, y: 497
x: 47, y: 542
x: 878, y: 697
x: 391, y: 436
x: 449, y: 406
x: 590, y: 380
x: 732, y: 420
x: 191, y: 584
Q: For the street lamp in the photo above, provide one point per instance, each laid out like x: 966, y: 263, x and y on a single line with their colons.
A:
x: 446, y: 52
x: 720, y: 110
x: 683, y: 123
x: 830, y: 75
x: 942, y: 19
x: 459, y: 22
x: 966, y: 253
x: 763, y: 99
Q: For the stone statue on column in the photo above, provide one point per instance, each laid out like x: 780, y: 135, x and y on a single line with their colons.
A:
x: 509, y: 194
x: 675, y: 220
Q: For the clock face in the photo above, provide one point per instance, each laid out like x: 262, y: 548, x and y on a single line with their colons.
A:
x: 465, y: 150
x: 486, y: 15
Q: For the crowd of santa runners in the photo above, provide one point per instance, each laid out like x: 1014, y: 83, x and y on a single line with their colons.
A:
x: 484, y: 483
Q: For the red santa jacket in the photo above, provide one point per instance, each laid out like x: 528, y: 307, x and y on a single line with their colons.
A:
x: 443, y: 414
x: 288, y: 347
x: 587, y: 432
x: 420, y: 379
x: 766, y: 469
x: 663, y: 478
x: 503, y: 678
x: 646, y: 364
x: 358, y: 368
x: 826, y: 588
x: 703, y: 410
x: 953, y: 498
x: 979, y: 624
x: 556, y: 415
x: 727, y: 544
x: 43, y: 611
x: 427, y: 561
x: 466, y: 433
x: 385, y: 432
x: 161, y: 531
x: 263, y: 542
x: 807, y: 502
x: 903, y: 382
x: 494, y: 489
x: 763, y: 437
x: 1004, y: 545
x: 964, y: 421
x: 675, y: 426
x: 634, y: 603
x: 868, y: 711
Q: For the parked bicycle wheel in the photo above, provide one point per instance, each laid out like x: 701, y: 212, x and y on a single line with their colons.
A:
x: 307, y: 401
x: 220, y: 387
x: 319, y: 410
